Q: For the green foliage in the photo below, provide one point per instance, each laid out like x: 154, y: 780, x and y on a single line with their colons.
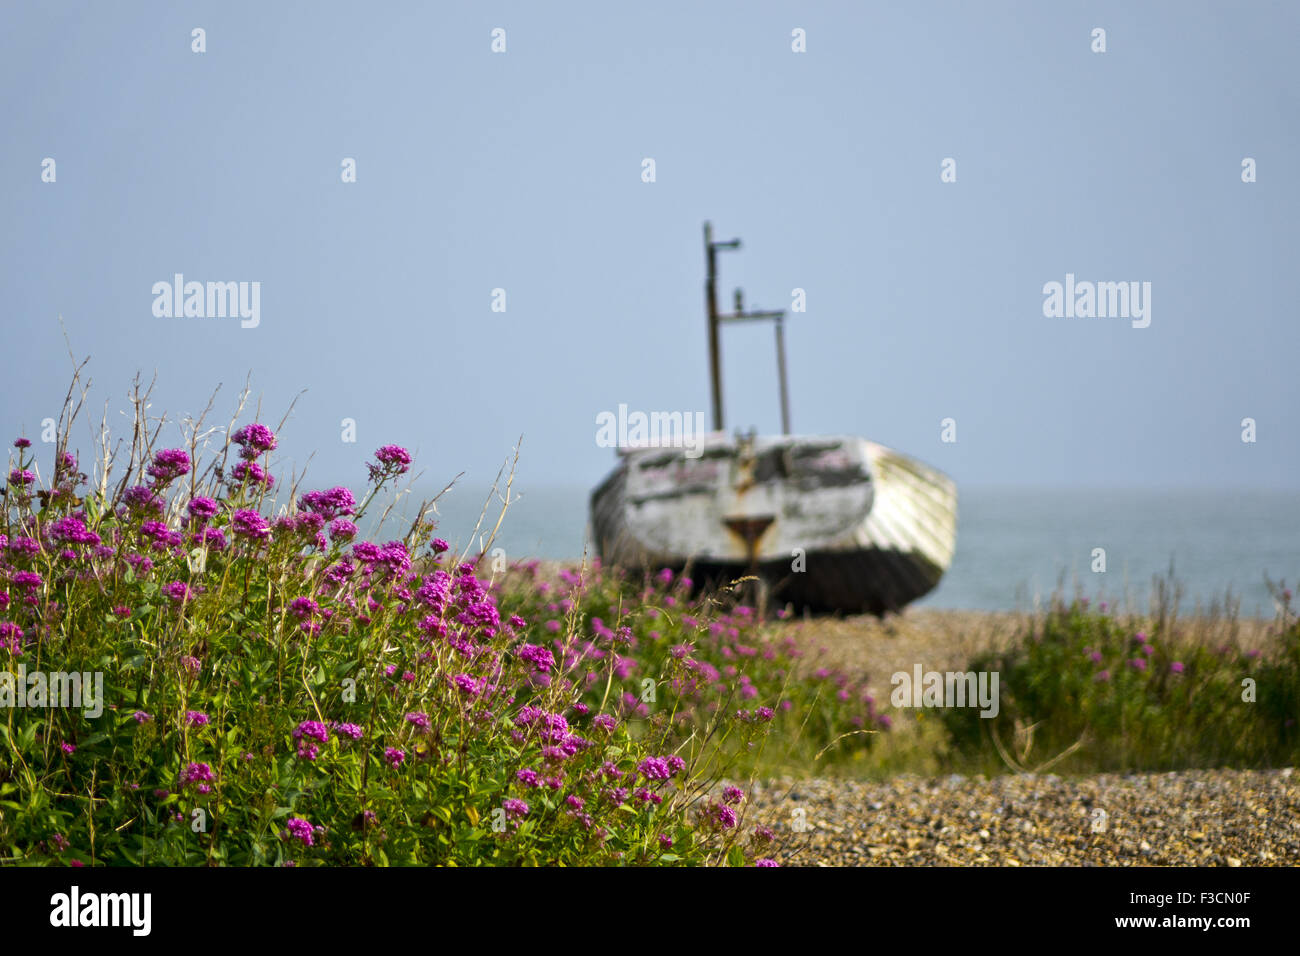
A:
x: 1086, y: 691
x: 276, y: 692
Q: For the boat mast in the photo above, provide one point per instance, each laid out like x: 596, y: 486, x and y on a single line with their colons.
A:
x: 740, y: 315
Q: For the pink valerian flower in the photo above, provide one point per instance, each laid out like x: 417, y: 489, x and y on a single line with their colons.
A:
x: 1138, y: 664
x: 720, y: 815
x: 24, y: 547
x: 733, y: 795
x: 308, y: 523
x: 392, y: 558
x: 143, y: 500
x: 338, y: 573
x: 202, y: 509
x: 466, y: 684
x: 303, y: 608
x: 11, y: 638
x: 552, y: 727
x: 341, y: 529
x: 213, y: 539
x: 29, y: 580
x: 418, y: 719
x: 21, y: 477
x: 1176, y: 667
x: 665, y: 840
x: 764, y: 834
x: 766, y: 862
x: 249, y: 524
x: 253, y: 473
x: 68, y: 748
x: 22, y: 443
x: 141, y: 716
x: 439, y: 546
x: 528, y: 777
x: 312, y: 730
x: 349, y: 730
x: 196, y: 718
x: 163, y: 538
x: 514, y: 807
x: 394, y: 757
x: 366, y: 551
x: 655, y: 768
x: 196, y: 773
x: 606, y: 722
x: 73, y: 529
x: 178, y: 591
x: 482, y: 615
x: 255, y: 440
x: 393, y: 460
x: 299, y: 829
x: 540, y: 657
x: 168, y: 465
x: 329, y: 504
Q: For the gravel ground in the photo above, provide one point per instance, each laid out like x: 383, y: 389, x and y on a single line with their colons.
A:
x: 1195, y: 817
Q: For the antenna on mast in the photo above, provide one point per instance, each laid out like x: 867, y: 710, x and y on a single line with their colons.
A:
x: 740, y: 315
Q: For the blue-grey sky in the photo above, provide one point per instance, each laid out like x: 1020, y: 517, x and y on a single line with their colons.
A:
x: 522, y: 170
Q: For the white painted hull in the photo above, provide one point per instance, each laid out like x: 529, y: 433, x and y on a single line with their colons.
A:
x: 829, y: 522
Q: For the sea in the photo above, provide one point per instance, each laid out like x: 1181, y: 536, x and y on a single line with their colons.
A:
x: 1015, y: 546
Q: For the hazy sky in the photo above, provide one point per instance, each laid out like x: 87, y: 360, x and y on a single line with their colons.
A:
x: 522, y: 170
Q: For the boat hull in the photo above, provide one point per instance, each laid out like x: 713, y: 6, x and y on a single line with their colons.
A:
x: 828, y: 523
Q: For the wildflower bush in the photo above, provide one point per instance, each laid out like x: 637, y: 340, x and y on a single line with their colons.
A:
x: 673, y: 666
x: 278, y: 690
x: 1086, y: 690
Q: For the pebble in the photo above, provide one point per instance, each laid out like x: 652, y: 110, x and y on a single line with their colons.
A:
x: 1193, y: 817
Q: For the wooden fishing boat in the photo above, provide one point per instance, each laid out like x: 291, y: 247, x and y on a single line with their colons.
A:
x: 828, y: 523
